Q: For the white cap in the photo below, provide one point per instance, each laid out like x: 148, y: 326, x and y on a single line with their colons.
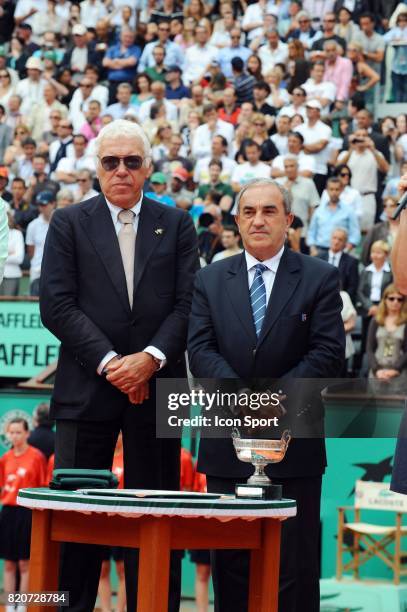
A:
x: 314, y: 104
x: 79, y: 30
x: 34, y: 63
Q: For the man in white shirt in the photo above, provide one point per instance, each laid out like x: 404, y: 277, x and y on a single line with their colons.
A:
x: 88, y: 90
x: 91, y: 12
x: 253, y: 18
x: 316, y: 139
x: 219, y: 152
x: 31, y: 89
x: 230, y: 240
x: 252, y: 169
x: 304, y: 193
x: 211, y: 127
x: 306, y: 163
x: 158, y: 91
x: 318, y: 89
x: 280, y: 138
x: 68, y: 168
x: 35, y: 238
x: 275, y: 52
x: 199, y: 56
x: 26, y: 9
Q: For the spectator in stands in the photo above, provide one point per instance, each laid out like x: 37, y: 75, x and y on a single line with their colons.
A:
x: 274, y: 52
x: 68, y: 167
x: 91, y: 128
x: 297, y: 107
x: 6, y: 135
x: 261, y: 90
x: 364, y: 77
x: 397, y: 37
x: 35, y: 237
x: 305, y: 197
x: 230, y: 110
x: 64, y: 198
x: 219, y: 152
x: 364, y: 160
x: 123, y: 105
x: 173, y: 52
x: 280, y: 138
x: 346, y: 27
x: 318, y: 50
x: 62, y: 147
x: 384, y: 230
x: 7, y: 88
x: 42, y: 436
x: 348, y: 266
x: 230, y: 240
x: 251, y: 169
x: 199, y: 56
x: 158, y: 93
x: 4, y: 176
x: 215, y: 184
x: 317, y: 136
x: 338, y: 70
x: 178, y: 191
x: 242, y: 81
x: 372, y: 43
x: 295, y: 147
x: 387, y: 342
x: 23, y: 166
x: 31, y: 89
x: 175, y: 90
x: 234, y: 49
x: 317, y: 88
x: 121, y: 61
x: 253, y: 19
x: 173, y: 159
x: 81, y: 54
x: 212, y: 126
x: 85, y: 189
x: 304, y: 32
x: 373, y: 280
x: 158, y: 182
x: 329, y: 216
x: 40, y: 179
x: 15, y: 255
x: 23, y: 212
x: 348, y: 314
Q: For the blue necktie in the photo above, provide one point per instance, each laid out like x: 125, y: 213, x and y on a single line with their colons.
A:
x: 258, y: 297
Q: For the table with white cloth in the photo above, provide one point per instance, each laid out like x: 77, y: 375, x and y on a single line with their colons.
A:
x: 156, y: 523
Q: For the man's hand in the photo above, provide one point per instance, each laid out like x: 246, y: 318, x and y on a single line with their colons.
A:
x: 313, y: 251
x: 372, y: 312
x: 131, y: 370
x: 139, y: 393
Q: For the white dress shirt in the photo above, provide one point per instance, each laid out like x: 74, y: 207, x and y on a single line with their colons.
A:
x: 114, y: 211
x: 377, y: 278
x: 269, y: 275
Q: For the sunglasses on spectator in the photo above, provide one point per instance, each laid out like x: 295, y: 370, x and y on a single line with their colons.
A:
x: 328, y: 20
x: 4, y: 75
x: 298, y: 93
x: 344, y: 174
x: 111, y: 162
x: 303, y: 21
x: 164, y: 29
x: 83, y: 180
x: 87, y: 85
x: 394, y: 299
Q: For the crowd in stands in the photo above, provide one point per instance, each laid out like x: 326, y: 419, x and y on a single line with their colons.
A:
x: 227, y: 91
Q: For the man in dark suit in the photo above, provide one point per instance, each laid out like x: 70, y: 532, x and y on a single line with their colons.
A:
x: 271, y: 313
x: 116, y: 289
x: 346, y: 264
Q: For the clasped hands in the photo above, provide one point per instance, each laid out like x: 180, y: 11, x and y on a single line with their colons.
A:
x: 131, y: 375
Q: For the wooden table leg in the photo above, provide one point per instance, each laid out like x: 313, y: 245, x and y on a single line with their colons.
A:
x: 264, y: 569
x: 44, y: 557
x: 154, y: 565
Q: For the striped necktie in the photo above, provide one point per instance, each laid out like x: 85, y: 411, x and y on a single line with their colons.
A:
x: 258, y: 297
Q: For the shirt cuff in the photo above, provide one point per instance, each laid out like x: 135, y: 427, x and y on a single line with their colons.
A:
x: 155, y: 352
x: 105, y: 360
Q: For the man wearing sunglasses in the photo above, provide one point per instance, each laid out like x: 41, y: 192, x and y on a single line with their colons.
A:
x: 116, y: 290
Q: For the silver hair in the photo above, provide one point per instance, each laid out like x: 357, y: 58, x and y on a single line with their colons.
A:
x: 65, y: 193
x: 340, y: 229
x: 331, y: 42
x: 121, y: 128
x: 303, y: 14
x: 287, y: 197
x: 290, y: 157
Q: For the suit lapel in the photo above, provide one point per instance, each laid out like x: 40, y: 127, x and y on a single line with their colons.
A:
x: 237, y: 289
x: 150, y: 232
x: 287, y: 278
x: 97, y: 223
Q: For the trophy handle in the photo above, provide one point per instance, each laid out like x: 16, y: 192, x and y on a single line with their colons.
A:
x: 286, y: 437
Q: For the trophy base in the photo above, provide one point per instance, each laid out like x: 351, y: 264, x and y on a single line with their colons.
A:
x: 264, y: 491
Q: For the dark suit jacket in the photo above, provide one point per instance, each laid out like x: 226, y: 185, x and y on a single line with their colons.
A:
x: 93, y: 57
x: 363, y: 300
x: 84, y: 300
x: 348, y: 272
x: 302, y: 337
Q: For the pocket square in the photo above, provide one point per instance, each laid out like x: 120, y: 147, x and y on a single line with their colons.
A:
x: 159, y: 231
x: 303, y: 317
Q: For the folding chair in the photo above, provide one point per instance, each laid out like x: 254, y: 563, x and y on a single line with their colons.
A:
x: 375, y: 538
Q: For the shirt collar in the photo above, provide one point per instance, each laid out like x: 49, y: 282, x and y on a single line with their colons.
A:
x: 114, y: 210
x: 386, y: 268
x: 271, y: 264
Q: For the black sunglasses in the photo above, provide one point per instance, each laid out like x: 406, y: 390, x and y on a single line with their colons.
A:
x: 344, y: 174
x: 395, y: 299
x: 111, y: 162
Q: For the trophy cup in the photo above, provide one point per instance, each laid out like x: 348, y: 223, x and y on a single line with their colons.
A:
x: 260, y: 453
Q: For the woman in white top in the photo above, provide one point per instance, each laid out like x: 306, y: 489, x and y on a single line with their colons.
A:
x: 6, y: 87
x: 12, y: 269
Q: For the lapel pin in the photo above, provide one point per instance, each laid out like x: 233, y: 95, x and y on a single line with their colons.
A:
x: 159, y: 231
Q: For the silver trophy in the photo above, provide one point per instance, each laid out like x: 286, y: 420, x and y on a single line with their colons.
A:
x: 260, y: 453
